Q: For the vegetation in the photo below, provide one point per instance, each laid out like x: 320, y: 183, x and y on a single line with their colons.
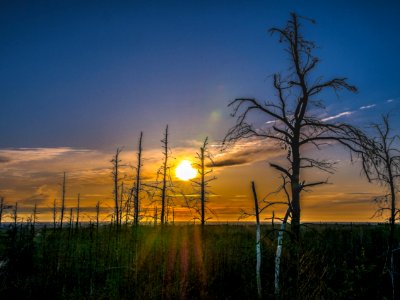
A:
x: 171, y: 262
x: 125, y: 260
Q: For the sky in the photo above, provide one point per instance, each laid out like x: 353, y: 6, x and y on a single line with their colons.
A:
x: 80, y: 78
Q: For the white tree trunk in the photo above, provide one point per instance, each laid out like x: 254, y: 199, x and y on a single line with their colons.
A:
x: 279, y: 253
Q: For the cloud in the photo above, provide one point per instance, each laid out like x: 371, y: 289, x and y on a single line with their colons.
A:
x: 229, y: 162
x: 342, y: 114
x: 246, y: 152
x: 24, y: 155
x: 4, y: 159
x: 367, y: 106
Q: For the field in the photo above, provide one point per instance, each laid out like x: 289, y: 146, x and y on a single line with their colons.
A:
x: 188, y: 262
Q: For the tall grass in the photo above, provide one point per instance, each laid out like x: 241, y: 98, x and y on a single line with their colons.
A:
x: 186, y: 262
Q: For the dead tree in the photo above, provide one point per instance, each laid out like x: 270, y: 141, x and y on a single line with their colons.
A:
x: 258, y: 240
x: 292, y: 120
x: 138, y: 182
x: 115, y: 174
x: 203, y: 164
x: 54, y: 214
x: 259, y: 208
x: 1, y: 209
x: 121, y: 202
x: 15, y: 215
x: 62, y: 209
x: 382, y: 165
x: 78, y: 208
x: 97, y: 214
x: 278, y: 254
x: 165, y: 171
x: 34, y: 215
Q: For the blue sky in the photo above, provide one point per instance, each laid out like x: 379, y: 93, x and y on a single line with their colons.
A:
x: 94, y: 74
x: 79, y: 78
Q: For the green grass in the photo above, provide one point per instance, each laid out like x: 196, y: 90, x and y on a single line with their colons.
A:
x: 186, y: 262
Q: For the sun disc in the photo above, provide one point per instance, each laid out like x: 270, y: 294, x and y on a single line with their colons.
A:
x: 185, y: 171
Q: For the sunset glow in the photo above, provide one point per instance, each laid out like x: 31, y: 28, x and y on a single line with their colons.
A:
x: 184, y: 171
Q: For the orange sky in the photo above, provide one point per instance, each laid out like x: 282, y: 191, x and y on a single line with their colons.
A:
x: 34, y: 176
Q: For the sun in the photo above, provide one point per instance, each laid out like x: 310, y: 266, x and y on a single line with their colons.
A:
x: 185, y: 171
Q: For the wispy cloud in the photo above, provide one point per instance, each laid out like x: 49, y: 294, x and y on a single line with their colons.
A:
x: 342, y: 114
x: 367, y: 106
x: 247, y: 152
x: 20, y: 155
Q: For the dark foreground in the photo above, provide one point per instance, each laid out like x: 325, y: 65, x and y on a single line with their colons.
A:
x: 186, y: 262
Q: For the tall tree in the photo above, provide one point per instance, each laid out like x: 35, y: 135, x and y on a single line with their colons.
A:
x: 292, y: 120
x: 1, y: 209
x: 382, y: 165
x: 115, y: 174
x: 258, y: 239
x: 54, y: 214
x: 204, y: 161
x: 78, y: 208
x: 137, y: 182
x: 62, y: 209
x: 164, y: 171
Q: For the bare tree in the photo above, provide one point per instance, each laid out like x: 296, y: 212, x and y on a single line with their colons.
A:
x: 258, y: 240
x: 34, y: 215
x: 54, y: 214
x: 293, y: 120
x: 121, y: 202
x: 1, y: 209
x: 115, y: 173
x: 165, y: 172
x: 97, y: 214
x: 14, y: 215
x: 78, y: 208
x: 259, y: 207
x: 203, y: 164
x: 382, y: 165
x: 62, y: 209
x: 138, y: 182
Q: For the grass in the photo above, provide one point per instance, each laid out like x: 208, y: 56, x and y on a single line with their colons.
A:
x: 186, y: 262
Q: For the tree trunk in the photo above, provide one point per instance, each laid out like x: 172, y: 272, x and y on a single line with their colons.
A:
x: 258, y: 241
x: 1, y: 209
x: 279, y: 253
x: 137, y: 185
x: 164, y: 179
x: 62, y: 203
x: 203, y: 187
x: 116, y: 161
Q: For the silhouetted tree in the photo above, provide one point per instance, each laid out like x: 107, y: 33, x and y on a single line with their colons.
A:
x: 97, y: 214
x: 164, y: 171
x: 14, y: 215
x: 382, y: 165
x: 1, y: 209
x: 203, y: 164
x: 78, y: 208
x: 292, y: 119
x: 62, y: 209
x: 293, y: 122
x: 34, y: 215
x: 115, y: 173
x: 258, y: 240
x: 54, y: 214
x: 138, y: 182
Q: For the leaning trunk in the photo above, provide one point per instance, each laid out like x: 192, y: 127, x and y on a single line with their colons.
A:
x: 258, y: 241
